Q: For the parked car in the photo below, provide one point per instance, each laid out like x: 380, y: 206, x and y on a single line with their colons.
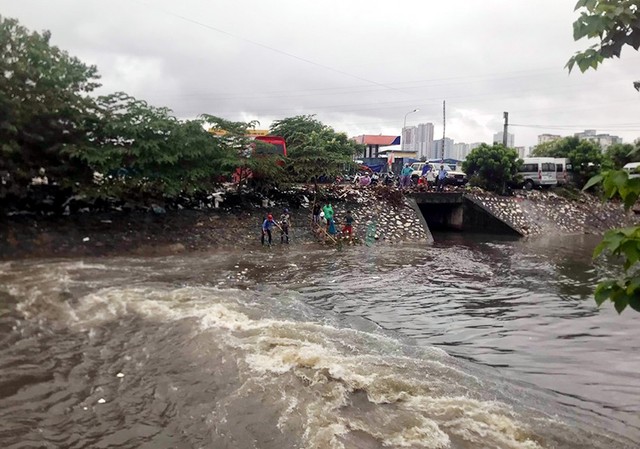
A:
x: 456, y: 177
x: 417, y: 169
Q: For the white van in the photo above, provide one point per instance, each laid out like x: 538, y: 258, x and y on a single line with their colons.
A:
x: 564, y: 171
x: 633, y: 168
x: 538, y: 172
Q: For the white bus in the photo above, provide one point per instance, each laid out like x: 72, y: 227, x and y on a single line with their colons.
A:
x: 633, y: 169
x: 538, y: 172
x: 564, y: 171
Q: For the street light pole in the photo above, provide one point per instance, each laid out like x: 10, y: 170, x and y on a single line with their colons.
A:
x: 404, y: 126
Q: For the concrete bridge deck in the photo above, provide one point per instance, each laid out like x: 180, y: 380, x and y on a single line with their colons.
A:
x: 461, y: 212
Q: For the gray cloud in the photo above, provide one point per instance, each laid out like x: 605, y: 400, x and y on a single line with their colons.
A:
x: 359, y: 65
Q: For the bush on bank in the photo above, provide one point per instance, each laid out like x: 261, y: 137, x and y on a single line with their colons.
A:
x: 59, y: 140
x: 492, y: 168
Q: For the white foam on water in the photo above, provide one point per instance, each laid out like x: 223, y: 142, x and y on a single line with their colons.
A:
x: 411, y: 399
x: 430, y: 417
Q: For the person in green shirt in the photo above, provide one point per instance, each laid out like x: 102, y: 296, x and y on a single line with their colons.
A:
x: 328, y: 211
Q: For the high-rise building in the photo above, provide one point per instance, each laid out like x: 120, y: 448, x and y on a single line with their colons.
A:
x: 418, y: 138
x: 544, y: 138
x: 460, y: 151
x: 409, y: 135
x: 498, y: 138
x: 437, y: 149
x: 424, y: 139
x: 522, y: 152
x: 604, y: 140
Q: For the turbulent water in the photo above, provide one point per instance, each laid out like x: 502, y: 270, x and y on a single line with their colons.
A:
x: 472, y: 343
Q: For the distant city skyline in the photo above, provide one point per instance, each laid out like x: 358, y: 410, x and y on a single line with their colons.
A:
x: 420, y: 139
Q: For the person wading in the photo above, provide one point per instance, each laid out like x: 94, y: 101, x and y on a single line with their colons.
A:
x: 267, y: 225
x: 285, y: 220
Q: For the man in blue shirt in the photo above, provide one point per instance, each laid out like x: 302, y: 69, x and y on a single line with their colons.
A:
x: 267, y: 225
x: 442, y: 176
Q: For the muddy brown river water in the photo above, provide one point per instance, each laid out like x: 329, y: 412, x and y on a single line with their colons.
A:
x: 472, y: 343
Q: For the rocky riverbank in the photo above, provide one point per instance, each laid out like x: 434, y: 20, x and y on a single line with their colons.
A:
x: 160, y: 231
x: 538, y: 212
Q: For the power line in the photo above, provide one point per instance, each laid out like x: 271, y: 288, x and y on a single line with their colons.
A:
x: 267, y: 47
x: 359, y: 88
x: 608, y: 127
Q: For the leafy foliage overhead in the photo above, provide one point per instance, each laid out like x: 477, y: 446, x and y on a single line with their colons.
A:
x: 45, y: 109
x: 624, y: 243
x: 492, y: 167
x: 615, y: 23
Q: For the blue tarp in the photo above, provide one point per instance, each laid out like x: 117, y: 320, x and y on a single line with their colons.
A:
x: 376, y: 168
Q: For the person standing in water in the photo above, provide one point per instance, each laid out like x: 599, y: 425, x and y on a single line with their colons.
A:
x: 267, y: 225
x: 285, y: 220
x: 348, y: 224
x: 316, y: 213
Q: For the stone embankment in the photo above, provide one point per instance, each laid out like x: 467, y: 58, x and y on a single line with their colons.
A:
x: 396, y: 220
x: 542, y: 212
x: 236, y: 224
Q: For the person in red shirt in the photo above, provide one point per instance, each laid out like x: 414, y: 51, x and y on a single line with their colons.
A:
x: 348, y: 224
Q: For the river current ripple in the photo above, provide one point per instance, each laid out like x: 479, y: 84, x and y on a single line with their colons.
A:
x: 471, y: 343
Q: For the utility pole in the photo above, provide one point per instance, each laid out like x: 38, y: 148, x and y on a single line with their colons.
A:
x: 505, y: 133
x: 444, y: 127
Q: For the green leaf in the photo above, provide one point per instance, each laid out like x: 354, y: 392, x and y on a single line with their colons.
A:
x: 592, y: 182
x: 634, y: 302
x: 621, y: 303
x: 603, y: 291
x: 633, y: 286
x: 611, y: 241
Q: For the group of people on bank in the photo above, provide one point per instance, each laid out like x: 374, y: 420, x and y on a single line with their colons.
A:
x: 428, y: 178
x: 324, y: 224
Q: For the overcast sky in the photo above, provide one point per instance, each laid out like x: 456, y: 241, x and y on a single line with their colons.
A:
x: 359, y: 65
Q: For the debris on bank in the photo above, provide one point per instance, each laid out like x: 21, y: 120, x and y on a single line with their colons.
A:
x: 395, y: 220
x: 233, y: 218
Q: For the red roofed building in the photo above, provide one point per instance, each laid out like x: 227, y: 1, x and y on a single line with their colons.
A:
x: 375, y: 142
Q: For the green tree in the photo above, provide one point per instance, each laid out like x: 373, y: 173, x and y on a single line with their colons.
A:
x: 623, y: 243
x: 620, y: 154
x: 616, y: 23
x: 45, y: 110
x: 492, y: 167
x: 314, y: 150
x: 296, y: 130
x: 143, y: 151
x: 261, y: 172
x: 585, y: 156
